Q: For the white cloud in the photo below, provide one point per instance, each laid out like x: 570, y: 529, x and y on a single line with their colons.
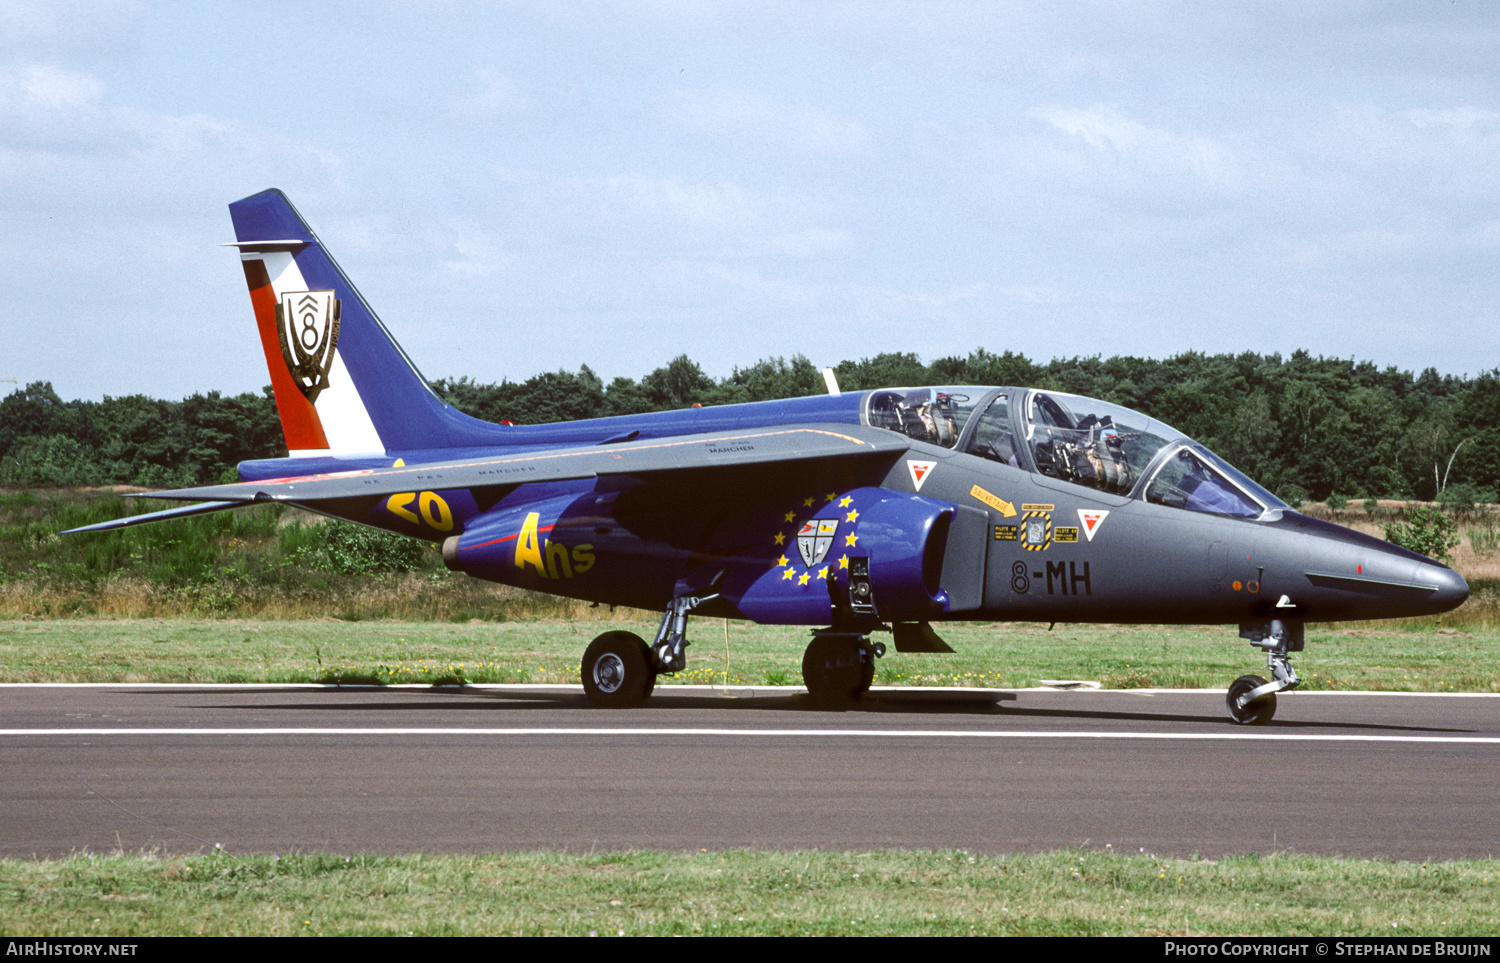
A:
x: 750, y: 117
x: 1453, y: 117
x: 1038, y: 294
x: 491, y: 94
x: 65, y: 143
x: 813, y: 242
x: 671, y: 214
x: 1129, y: 152
x: 39, y: 91
x: 28, y: 27
x: 477, y: 254
x: 47, y: 106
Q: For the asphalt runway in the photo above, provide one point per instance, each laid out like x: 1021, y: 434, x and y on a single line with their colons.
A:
x: 176, y: 769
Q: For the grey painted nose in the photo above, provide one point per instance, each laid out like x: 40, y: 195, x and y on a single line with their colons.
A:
x: 1452, y: 590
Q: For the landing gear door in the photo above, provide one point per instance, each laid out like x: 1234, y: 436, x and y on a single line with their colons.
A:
x: 963, y: 559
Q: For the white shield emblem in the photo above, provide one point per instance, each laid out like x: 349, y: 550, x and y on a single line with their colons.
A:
x: 815, y: 539
x: 307, y: 323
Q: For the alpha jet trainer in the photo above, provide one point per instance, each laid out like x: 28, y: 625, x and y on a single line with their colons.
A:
x: 852, y: 513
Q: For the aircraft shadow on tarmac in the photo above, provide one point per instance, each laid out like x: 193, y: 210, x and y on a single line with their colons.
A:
x: 926, y: 702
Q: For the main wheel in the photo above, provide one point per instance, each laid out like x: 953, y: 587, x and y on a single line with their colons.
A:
x: 837, y: 669
x: 617, y: 671
x: 1257, y: 713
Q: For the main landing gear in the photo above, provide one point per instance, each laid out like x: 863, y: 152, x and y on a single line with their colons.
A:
x: 620, y: 669
x: 838, y: 667
x: 1251, y: 699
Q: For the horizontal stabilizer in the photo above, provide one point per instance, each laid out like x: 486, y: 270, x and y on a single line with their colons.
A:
x: 183, y: 511
x: 293, y: 244
x: 731, y: 449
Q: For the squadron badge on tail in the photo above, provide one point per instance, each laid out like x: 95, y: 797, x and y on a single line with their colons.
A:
x: 308, y: 325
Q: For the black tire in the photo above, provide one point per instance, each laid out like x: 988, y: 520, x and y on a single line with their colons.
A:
x: 617, y: 672
x: 837, y: 669
x: 1257, y: 713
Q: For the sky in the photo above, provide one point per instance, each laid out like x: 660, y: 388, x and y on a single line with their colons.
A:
x: 527, y: 187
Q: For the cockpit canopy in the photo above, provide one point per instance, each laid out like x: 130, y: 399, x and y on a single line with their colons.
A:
x: 933, y: 415
x: 1074, y: 439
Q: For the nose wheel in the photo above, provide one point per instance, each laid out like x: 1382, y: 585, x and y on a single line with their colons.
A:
x: 1256, y: 713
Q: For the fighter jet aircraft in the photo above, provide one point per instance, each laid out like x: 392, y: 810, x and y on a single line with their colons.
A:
x: 854, y: 514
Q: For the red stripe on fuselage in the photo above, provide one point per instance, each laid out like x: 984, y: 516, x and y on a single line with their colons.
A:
x: 496, y: 541
x: 299, y: 420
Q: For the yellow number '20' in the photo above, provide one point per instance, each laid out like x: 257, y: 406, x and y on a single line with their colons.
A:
x: 433, y: 510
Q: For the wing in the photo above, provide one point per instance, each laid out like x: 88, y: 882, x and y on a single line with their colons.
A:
x: 645, y: 458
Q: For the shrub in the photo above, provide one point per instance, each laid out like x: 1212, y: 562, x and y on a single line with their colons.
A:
x: 1484, y: 539
x: 1427, y: 531
x: 1337, y: 501
x: 1458, y: 498
x: 54, y: 460
x: 1293, y: 495
x: 1372, y: 505
x: 351, y: 549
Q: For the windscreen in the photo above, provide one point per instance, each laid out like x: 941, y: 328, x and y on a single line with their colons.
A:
x: 1092, y: 443
x: 1196, y: 479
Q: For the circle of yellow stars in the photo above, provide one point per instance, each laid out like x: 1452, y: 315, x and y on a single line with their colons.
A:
x: 789, y: 572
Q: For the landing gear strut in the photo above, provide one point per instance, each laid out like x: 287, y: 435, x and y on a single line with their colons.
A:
x: 620, y: 669
x: 1252, y: 700
x: 838, y: 667
x: 670, y: 645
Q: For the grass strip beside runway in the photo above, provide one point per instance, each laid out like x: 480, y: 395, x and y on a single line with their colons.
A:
x: 1371, y: 656
x: 734, y: 893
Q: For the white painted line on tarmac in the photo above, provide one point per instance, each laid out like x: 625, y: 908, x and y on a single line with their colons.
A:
x: 1238, y: 736
x: 668, y: 688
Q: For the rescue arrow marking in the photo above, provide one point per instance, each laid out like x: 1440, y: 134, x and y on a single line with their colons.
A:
x: 999, y: 504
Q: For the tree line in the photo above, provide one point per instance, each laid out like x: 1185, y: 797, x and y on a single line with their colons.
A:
x: 1304, y: 427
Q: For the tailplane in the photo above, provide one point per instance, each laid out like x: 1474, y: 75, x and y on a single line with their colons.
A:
x: 343, y: 385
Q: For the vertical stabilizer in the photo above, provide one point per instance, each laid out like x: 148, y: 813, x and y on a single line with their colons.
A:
x: 342, y: 384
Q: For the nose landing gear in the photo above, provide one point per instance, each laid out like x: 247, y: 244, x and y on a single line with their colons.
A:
x: 1251, y: 699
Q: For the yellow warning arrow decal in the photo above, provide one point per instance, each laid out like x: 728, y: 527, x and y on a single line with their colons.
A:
x: 999, y: 504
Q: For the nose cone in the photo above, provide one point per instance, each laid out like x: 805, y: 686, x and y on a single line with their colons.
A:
x: 1433, y: 588
x: 1350, y: 575
x: 1452, y: 590
x: 1410, y: 584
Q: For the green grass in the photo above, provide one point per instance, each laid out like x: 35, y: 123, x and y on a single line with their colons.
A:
x: 738, y: 893
x: 1000, y: 655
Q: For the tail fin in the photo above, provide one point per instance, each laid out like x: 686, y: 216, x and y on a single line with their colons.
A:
x: 342, y: 384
